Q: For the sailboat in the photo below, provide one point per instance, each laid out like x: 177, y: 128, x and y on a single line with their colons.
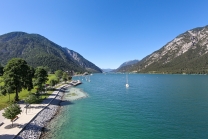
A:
x: 127, y: 85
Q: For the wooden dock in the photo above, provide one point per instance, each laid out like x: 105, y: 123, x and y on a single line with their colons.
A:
x: 75, y: 82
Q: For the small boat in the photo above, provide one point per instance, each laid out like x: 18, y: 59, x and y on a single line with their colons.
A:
x: 127, y: 85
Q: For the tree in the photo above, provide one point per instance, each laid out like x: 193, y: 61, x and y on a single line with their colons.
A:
x: 11, y: 112
x: 47, y: 69
x: 64, y: 77
x: 31, y: 99
x: 69, y: 77
x: 53, y: 82
x: 17, y: 76
x: 40, y: 78
x: 31, y: 73
x: 6, y: 90
x: 2, y: 90
x: 59, y: 74
x: 1, y: 70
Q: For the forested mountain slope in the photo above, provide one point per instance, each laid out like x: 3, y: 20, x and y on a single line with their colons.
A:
x: 39, y: 51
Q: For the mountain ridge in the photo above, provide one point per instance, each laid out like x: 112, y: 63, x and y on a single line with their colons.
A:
x: 108, y: 70
x: 40, y: 51
x: 126, y: 64
x: 186, y: 53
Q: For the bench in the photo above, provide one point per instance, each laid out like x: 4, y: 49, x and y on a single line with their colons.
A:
x: 15, y: 119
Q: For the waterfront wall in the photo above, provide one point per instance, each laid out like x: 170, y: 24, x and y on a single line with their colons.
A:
x: 34, y: 129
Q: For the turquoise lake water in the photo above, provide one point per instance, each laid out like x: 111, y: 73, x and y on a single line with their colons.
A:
x: 153, y: 107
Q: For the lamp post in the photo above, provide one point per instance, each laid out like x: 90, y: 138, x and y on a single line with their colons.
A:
x: 46, y: 87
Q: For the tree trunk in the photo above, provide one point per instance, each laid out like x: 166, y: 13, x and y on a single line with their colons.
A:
x: 16, y: 96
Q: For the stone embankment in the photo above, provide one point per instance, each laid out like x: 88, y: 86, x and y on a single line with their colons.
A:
x: 34, y: 129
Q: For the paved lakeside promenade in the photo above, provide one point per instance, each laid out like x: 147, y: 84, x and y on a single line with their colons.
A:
x: 6, y: 132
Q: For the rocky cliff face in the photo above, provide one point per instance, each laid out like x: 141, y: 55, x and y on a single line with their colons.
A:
x: 189, y: 40
x: 81, y: 61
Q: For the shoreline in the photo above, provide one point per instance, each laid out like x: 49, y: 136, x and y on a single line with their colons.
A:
x: 66, y: 100
x: 34, y: 129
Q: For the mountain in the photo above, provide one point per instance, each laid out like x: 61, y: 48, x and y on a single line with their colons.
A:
x: 81, y: 61
x: 126, y: 64
x: 187, y: 53
x: 39, y: 51
x: 107, y: 70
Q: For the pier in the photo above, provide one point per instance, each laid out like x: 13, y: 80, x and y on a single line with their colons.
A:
x: 75, y: 82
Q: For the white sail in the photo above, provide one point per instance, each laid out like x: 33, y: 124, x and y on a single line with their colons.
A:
x: 127, y: 84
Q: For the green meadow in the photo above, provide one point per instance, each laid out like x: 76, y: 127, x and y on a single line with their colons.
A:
x: 4, y: 100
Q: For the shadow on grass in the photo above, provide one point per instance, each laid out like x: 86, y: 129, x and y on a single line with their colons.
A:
x: 46, y: 100
x: 54, y: 89
x: 47, y: 94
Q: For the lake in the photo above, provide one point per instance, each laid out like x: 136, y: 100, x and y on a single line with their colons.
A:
x: 155, y: 106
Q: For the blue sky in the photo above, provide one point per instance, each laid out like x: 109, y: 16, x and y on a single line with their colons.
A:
x: 106, y: 32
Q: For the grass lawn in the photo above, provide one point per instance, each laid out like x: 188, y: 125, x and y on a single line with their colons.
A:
x: 4, y: 100
x: 43, y: 96
x: 50, y: 77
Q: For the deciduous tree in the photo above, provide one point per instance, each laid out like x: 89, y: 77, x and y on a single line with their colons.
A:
x: 59, y: 74
x: 31, y: 99
x: 69, y: 77
x: 6, y: 90
x: 11, y: 112
x: 64, y: 77
x: 40, y: 78
x: 53, y: 82
x: 1, y: 70
x: 17, y: 76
